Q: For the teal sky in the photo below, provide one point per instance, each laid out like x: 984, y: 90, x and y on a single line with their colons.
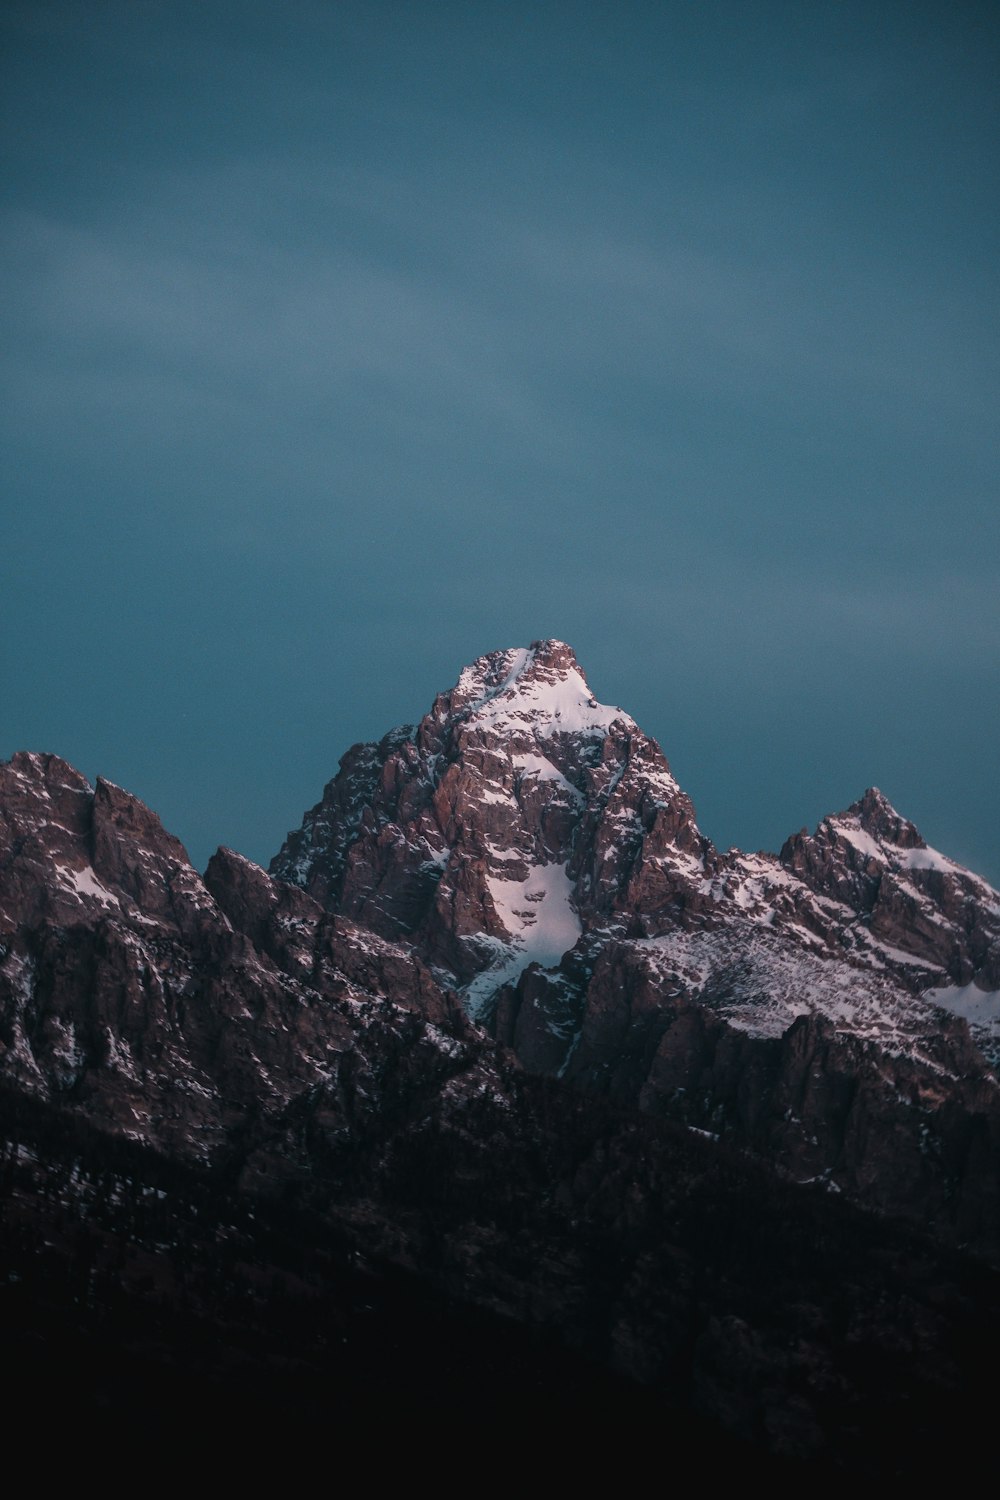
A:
x: 344, y: 342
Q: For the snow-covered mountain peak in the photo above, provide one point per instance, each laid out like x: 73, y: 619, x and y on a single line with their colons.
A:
x: 524, y: 828
x: 519, y: 813
x: 875, y: 815
x: 539, y: 687
x: 873, y: 835
x: 868, y: 837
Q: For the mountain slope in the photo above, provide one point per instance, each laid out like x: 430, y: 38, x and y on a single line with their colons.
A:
x: 170, y: 1008
x: 533, y: 848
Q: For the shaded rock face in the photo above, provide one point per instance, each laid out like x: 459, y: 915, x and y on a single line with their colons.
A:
x: 168, y: 1007
x: 533, y: 848
x: 517, y: 815
x: 911, y: 898
x: 521, y: 813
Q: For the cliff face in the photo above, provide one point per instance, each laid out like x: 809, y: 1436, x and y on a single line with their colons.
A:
x: 166, y: 1007
x: 836, y: 1007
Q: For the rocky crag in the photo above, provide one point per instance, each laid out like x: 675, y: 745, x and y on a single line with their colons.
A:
x: 835, y: 1007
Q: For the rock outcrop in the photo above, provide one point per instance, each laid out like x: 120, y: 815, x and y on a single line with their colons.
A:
x: 169, y: 1008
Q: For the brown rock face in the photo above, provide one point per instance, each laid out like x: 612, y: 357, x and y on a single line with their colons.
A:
x: 533, y: 848
x: 875, y: 863
x: 518, y: 812
x: 164, y: 1006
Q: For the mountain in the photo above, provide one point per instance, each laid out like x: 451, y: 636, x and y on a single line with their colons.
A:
x: 836, y: 1007
x: 135, y: 993
x: 504, y: 1095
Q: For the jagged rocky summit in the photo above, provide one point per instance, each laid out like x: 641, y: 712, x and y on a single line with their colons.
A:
x: 169, y: 1008
x: 833, y: 1006
x: 501, y: 1015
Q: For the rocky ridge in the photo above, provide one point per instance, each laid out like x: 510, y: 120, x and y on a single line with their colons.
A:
x: 532, y: 846
x: 173, y: 1009
x: 521, y: 820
